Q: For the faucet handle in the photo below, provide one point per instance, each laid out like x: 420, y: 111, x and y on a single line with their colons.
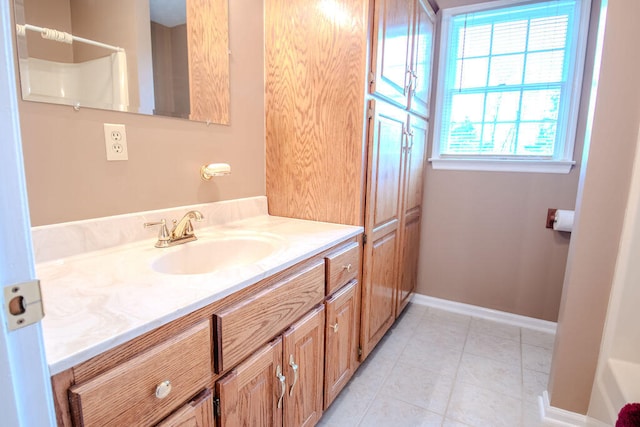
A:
x: 163, y: 234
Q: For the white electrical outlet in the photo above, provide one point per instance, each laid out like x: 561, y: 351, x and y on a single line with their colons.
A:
x: 115, y: 139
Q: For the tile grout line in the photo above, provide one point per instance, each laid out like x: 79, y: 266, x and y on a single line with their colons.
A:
x: 393, y: 365
x: 455, y: 376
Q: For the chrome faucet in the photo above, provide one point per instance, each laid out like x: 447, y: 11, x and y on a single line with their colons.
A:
x: 182, y: 231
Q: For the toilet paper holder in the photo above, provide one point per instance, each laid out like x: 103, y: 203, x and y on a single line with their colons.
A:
x: 551, y: 217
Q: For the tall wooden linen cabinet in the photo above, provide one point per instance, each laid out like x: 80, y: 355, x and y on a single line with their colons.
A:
x: 347, y: 97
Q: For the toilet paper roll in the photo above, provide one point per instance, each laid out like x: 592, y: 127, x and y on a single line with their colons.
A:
x: 563, y: 220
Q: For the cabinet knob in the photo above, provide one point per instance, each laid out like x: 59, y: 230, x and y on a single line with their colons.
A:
x: 334, y: 327
x: 347, y: 267
x: 163, y: 389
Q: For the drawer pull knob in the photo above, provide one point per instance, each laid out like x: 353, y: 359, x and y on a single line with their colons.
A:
x: 347, y: 267
x: 163, y: 389
x: 334, y: 327
x: 283, y: 386
x: 294, y: 366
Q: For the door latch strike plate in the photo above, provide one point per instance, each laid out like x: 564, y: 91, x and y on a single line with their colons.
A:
x: 23, y: 304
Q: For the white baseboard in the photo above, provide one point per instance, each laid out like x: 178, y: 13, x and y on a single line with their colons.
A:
x: 552, y: 416
x: 486, y: 313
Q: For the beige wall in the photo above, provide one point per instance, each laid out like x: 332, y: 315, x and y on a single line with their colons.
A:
x: 603, y: 196
x: 483, y: 236
x: 68, y: 177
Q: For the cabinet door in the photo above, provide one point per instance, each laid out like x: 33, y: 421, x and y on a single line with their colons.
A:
x: 413, y: 182
x: 197, y: 413
x: 391, y: 49
x: 341, y: 354
x: 422, y: 58
x: 303, y: 346
x: 387, y: 129
x: 252, y: 394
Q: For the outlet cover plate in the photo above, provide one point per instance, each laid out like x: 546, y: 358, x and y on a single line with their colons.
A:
x: 115, y: 140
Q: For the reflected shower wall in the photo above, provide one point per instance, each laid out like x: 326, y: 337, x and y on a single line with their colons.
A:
x: 100, y: 83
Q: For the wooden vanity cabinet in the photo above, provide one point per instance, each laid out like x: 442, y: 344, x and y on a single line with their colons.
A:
x: 227, y: 356
x: 243, y: 327
x: 342, y: 332
x: 281, y: 384
x: 197, y: 413
x: 150, y: 386
x: 341, y: 338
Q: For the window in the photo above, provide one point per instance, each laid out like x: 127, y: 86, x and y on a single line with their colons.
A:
x: 509, y: 86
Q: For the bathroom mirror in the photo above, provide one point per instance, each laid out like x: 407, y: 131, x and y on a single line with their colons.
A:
x: 160, y: 57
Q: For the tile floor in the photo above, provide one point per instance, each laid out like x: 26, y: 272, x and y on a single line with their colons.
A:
x: 436, y: 368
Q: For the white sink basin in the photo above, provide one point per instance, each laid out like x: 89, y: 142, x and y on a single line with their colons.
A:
x: 207, y: 255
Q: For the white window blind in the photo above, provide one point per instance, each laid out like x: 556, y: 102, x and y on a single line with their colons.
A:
x: 509, y: 83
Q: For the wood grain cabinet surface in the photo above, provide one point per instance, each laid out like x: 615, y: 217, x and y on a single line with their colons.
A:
x: 402, y: 53
x: 196, y: 413
x: 342, y: 339
x: 133, y: 393
x: 245, y: 326
x: 281, y: 384
x: 343, y: 265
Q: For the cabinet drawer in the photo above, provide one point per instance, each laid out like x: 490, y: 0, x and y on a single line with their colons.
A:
x: 243, y: 327
x: 126, y: 394
x: 342, y: 266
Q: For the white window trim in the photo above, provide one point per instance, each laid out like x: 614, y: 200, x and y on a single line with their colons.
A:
x: 564, y: 162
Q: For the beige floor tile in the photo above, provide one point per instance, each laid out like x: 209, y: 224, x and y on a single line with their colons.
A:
x: 531, y: 416
x: 488, y: 373
x: 437, y: 368
x: 373, y: 371
x: 501, y: 349
x: 479, y: 407
x: 348, y: 408
x: 538, y: 338
x: 536, y: 358
x: 534, y: 383
x: 446, y: 319
x: 431, y: 357
x: 389, y: 412
x: 452, y: 423
x: 496, y: 329
x: 437, y: 336
x: 427, y: 389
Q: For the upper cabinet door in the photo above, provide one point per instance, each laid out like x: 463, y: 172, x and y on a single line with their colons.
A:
x: 422, y: 59
x: 391, y: 53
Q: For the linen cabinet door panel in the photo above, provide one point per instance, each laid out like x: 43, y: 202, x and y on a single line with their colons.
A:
x: 341, y: 354
x: 303, y: 353
x: 409, y: 266
x: 252, y: 393
x: 386, y: 140
x: 415, y: 151
x: 197, y: 413
x: 422, y: 58
x: 391, y: 50
x: 415, y: 154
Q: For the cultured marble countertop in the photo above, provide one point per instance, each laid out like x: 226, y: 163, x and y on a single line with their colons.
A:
x: 99, y: 299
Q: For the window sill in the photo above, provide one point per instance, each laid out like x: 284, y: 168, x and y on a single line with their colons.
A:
x: 500, y: 165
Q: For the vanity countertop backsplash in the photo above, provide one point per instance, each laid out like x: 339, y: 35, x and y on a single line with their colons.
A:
x: 100, y: 288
